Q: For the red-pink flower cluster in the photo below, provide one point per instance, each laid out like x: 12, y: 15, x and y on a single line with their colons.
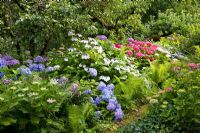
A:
x: 139, y: 49
x: 193, y: 66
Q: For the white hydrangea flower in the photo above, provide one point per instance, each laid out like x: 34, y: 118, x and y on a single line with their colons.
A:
x: 87, y: 46
x: 94, y: 42
x: 85, y: 56
x: 53, y: 82
x: 57, y: 67
x: 74, y: 39
x: 80, y: 65
x: 71, y: 33
x: 66, y: 59
x: 79, y: 35
x: 105, y: 78
x: 99, y: 49
x: 106, y: 61
x: 86, y: 69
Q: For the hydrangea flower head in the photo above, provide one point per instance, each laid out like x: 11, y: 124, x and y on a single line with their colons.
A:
x: 118, y: 114
x: 93, y: 72
x: 101, y: 37
x: 101, y: 86
x: 111, y: 106
x: 37, y: 67
x: 25, y: 71
x: 129, y: 52
x: 97, y: 100
x: 2, y: 63
x: 87, y: 92
x: 85, y: 56
x: 1, y: 75
x: 111, y: 87
x: 50, y: 69
x: 39, y: 59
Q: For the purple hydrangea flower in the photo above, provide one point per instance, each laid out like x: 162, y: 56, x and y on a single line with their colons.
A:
x: 93, y: 72
x: 130, y: 40
x: 40, y: 59
x: 101, y: 37
x: 101, y: 86
x: 111, y: 87
x: 118, y: 114
x: 7, y: 81
x: 9, y: 60
x: 62, y: 80
x: 87, y: 92
x: 97, y: 100
x: 111, y: 106
x: 74, y: 88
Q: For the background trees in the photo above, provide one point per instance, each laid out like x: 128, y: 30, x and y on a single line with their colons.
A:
x: 38, y: 26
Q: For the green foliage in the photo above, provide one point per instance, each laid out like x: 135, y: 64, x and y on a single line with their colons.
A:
x: 132, y: 91
x: 159, y: 73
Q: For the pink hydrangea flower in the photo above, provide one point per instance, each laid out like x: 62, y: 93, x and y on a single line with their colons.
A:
x: 129, y: 52
x: 136, y: 48
x: 139, y: 54
x: 118, y: 46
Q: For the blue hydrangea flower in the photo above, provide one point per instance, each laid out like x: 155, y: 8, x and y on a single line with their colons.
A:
x: 111, y: 87
x: 25, y: 71
x: 37, y: 67
x: 87, y: 92
x: 50, y: 69
x: 2, y: 63
x: 1, y: 75
x: 97, y: 113
x: 101, y: 86
x: 111, y: 106
x: 118, y: 114
x: 93, y: 72
x: 106, y: 94
x: 113, y: 100
x: 97, y: 100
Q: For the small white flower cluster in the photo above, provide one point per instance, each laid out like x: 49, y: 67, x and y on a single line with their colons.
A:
x: 51, y: 100
x: 32, y: 94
